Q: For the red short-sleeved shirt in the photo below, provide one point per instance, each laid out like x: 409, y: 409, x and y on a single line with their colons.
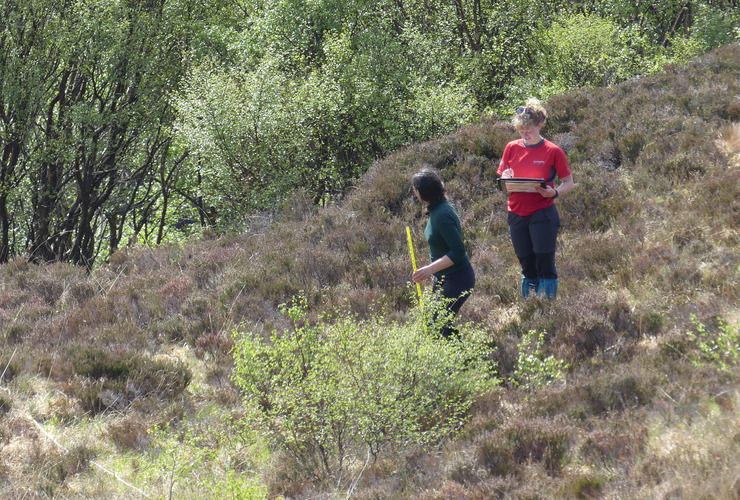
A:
x: 545, y: 160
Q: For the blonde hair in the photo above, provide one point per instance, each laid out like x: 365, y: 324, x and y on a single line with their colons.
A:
x: 532, y: 114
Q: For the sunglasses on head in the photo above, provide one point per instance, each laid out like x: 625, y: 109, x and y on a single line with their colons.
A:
x: 525, y: 110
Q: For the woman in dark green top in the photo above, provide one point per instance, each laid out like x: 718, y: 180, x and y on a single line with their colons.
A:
x: 450, y: 266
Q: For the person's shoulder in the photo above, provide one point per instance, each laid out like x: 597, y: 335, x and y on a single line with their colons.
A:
x: 440, y: 207
x: 448, y: 210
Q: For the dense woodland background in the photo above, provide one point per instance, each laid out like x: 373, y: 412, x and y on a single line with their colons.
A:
x: 206, y: 295
x: 142, y: 120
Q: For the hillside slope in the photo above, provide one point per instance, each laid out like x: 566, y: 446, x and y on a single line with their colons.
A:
x: 648, y: 252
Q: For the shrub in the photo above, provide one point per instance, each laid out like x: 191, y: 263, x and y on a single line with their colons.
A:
x: 160, y: 377
x: 5, y: 406
x: 345, y: 387
x: 596, y: 256
x: 600, y: 323
x: 15, y: 332
x: 613, y: 445
x: 713, y: 28
x: 78, y: 292
x: 184, y: 462
x: 588, y: 50
x: 49, y: 287
x: 171, y: 329
x: 111, y: 380
x: 72, y: 463
x: 521, y: 442
x: 496, y: 455
x: 129, y: 431
x: 600, y: 201
x: 618, y: 392
x: 720, y: 346
x: 214, y: 344
x: 584, y: 485
x: 173, y: 294
x: 534, y: 369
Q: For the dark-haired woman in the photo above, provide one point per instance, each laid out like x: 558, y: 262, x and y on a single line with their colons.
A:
x: 533, y: 218
x: 449, y: 266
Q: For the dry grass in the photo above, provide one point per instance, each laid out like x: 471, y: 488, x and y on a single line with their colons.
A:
x: 650, y: 238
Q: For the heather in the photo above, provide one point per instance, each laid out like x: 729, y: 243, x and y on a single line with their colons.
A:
x: 129, y: 380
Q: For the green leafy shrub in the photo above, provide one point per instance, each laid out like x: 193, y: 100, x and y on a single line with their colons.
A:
x: 589, y: 50
x: 534, y: 369
x: 719, y: 346
x: 345, y: 387
x: 183, y: 463
x: 714, y: 28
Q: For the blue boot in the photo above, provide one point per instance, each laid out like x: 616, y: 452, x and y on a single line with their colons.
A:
x: 548, y: 288
x: 530, y: 286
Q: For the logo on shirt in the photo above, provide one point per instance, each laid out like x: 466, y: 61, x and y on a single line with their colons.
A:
x: 538, y: 162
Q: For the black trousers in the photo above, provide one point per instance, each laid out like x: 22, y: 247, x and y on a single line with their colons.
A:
x: 534, y: 238
x: 456, y: 287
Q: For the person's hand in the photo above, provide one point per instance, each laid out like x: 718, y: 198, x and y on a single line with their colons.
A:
x: 548, y: 192
x: 421, y: 275
x: 507, y: 174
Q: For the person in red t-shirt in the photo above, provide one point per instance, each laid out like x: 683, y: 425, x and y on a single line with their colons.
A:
x: 533, y: 218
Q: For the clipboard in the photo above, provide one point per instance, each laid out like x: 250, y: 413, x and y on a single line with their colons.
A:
x: 520, y: 184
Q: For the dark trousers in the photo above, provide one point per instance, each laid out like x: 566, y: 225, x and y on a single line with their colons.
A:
x: 456, y: 287
x: 534, y: 238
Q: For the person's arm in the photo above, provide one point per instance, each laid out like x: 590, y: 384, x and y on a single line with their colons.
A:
x: 566, y: 184
x: 426, y: 272
x: 446, y: 226
x: 566, y: 177
x: 504, y: 169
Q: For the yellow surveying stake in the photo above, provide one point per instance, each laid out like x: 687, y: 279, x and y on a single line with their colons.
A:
x: 413, y: 260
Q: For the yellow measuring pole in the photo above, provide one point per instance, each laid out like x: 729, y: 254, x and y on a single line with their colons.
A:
x: 413, y: 260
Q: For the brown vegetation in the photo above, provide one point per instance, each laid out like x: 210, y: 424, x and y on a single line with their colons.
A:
x: 650, y: 238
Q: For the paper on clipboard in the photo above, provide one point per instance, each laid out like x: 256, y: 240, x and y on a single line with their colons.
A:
x: 521, y: 184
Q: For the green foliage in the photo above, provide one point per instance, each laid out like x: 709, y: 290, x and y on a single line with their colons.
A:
x: 439, y: 109
x: 642, y: 152
x: 714, y: 27
x: 140, y: 123
x: 719, y: 347
x: 535, y: 370
x: 315, y: 130
x: 341, y: 388
x: 231, y: 122
x: 183, y: 464
x: 588, y: 50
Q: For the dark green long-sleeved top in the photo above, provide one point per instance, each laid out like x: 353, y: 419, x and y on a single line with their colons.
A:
x: 444, y: 235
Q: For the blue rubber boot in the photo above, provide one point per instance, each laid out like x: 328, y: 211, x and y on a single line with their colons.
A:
x: 530, y: 286
x: 548, y: 288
